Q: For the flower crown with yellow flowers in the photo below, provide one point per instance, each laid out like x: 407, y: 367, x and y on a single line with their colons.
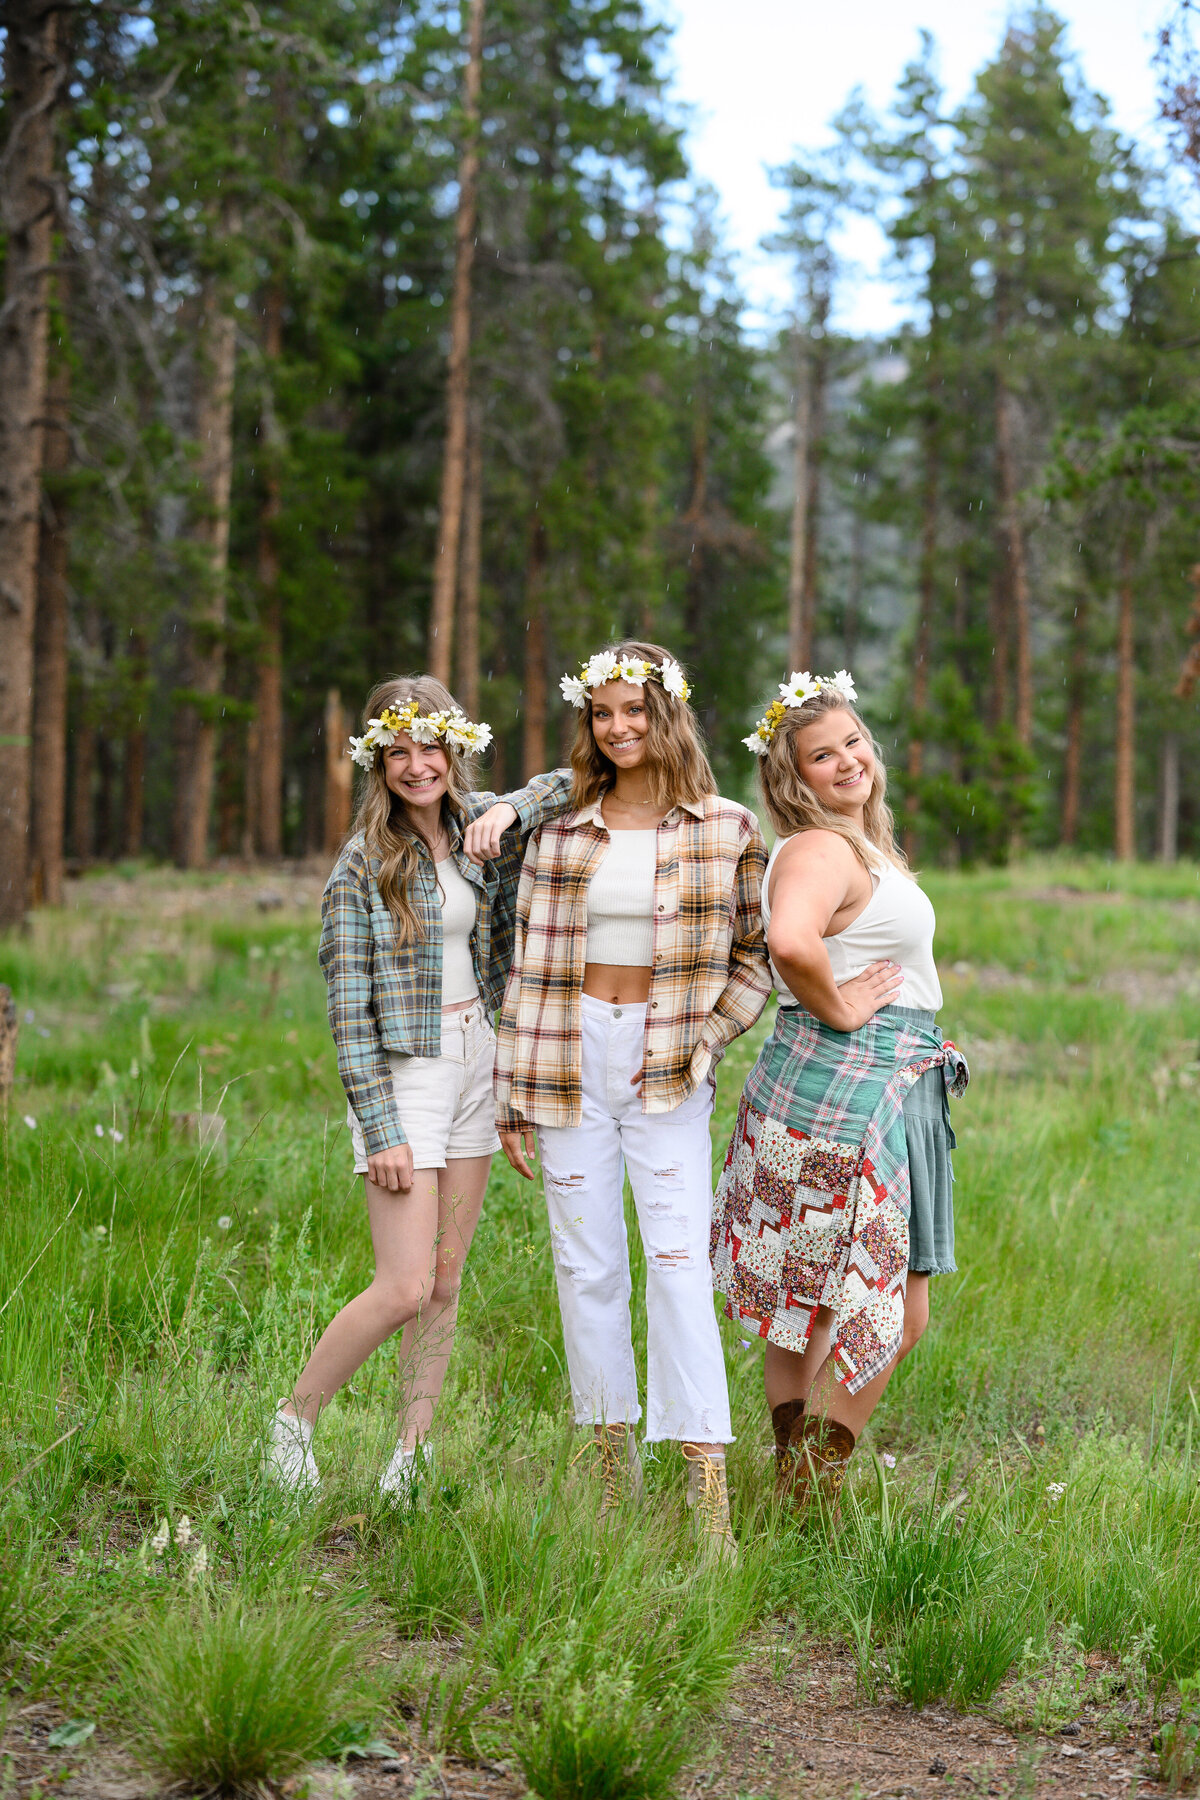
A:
x: 452, y: 726
x: 606, y: 665
x: 794, y: 693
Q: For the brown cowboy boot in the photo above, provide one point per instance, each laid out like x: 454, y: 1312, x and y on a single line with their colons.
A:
x: 784, y: 1418
x: 822, y: 1449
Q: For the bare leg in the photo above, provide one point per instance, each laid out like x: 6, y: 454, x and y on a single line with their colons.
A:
x: 429, y: 1336
x: 813, y: 1376
x: 403, y: 1235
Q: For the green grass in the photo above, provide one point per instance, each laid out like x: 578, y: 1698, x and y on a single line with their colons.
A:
x: 158, y: 1292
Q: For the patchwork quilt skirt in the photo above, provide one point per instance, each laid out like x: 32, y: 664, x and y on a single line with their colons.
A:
x: 814, y: 1200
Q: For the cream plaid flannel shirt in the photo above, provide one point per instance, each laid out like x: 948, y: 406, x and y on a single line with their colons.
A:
x: 709, y: 980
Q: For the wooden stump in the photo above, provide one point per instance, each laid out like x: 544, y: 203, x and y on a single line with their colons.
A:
x: 8, y: 1043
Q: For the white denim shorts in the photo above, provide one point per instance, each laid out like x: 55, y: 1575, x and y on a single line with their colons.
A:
x: 445, y: 1103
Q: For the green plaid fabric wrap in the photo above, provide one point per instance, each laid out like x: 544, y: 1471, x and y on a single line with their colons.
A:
x: 812, y: 1206
x: 382, y: 998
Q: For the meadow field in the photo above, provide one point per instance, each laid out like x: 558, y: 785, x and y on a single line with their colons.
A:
x: 1011, y: 1604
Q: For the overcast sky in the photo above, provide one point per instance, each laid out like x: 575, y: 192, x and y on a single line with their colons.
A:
x: 764, y: 77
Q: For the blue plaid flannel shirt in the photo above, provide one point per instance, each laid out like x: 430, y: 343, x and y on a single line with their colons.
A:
x: 382, y: 998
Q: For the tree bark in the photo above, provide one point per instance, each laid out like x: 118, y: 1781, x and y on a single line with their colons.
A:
x: 926, y: 598
x: 33, y: 82
x: 1076, y: 698
x: 205, y: 645
x: 533, y: 737
x: 812, y: 510
x: 472, y: 565
x: 49, y: 773
x: 339, y: 774
x: 134, y: 794
x: 1168, y: 798
x: 1124, y: 819
x: 268, y: 735
x: 441, y: 617
x: 799, y: 635
x: 1013, y: 611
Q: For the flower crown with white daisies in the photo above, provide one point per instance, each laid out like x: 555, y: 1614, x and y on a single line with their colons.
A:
x: 794, y: 693
x: 606, y: 665
x: 451, y: 726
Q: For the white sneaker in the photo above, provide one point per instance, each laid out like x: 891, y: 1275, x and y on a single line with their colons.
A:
x: 409, y: 1474
x: 290, y: 1460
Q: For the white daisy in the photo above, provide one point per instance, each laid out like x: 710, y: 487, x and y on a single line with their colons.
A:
x: 844, y: 685
x: 634, y: 670
x: 429, y: 729
x: 800, y: 688
x: 575, y: 691
x: 379, y: 733
x: 756, y: 742
x: 673, y: 679
x: 599, y: 669
x: 362, y: 752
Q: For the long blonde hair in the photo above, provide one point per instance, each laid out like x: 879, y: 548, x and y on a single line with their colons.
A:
x: 676, y: 764
x: 792, y: 805
x: 380, y: 815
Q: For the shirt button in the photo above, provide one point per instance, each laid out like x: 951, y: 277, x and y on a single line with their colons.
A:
x: 662, y: 909
x: 654, y: 1006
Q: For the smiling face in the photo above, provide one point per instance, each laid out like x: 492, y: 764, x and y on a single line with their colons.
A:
x: 620, y: 722
x: 416, y: 773
x: 834, y: 756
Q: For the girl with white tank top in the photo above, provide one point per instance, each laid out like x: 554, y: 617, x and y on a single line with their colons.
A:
x: 639, y: 958
x: 835, y: 1204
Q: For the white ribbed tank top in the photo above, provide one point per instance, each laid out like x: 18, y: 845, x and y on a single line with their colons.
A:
x: 897, y: 923
x: 620, y: 901
x: 458, y: 922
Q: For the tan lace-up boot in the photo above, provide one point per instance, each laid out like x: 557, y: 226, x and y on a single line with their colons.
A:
x: 619, y: 1467
x: 708, y: 1498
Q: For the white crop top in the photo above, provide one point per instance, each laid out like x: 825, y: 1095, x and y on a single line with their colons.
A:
x: 620, y: 901
x: 458, y: 922
x: 897, y: 923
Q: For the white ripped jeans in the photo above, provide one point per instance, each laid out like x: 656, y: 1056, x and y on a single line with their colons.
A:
x: 669, y: 1159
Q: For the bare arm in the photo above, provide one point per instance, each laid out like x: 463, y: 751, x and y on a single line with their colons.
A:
x: 814, y: 878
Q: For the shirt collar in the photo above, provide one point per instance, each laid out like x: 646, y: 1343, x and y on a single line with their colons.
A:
x: 591, y: 815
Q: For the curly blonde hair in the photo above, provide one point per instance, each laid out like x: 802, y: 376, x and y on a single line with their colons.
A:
x: 792, y: 805
x: 676, y: 763
x: 380, y: 814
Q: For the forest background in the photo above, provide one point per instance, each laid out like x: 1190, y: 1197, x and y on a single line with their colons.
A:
x: 345, y: 336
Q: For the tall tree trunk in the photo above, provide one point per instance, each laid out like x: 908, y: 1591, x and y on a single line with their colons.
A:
x: 926, y: 597
x: 83, y: 768
x: 533, y: 737
x: 49, y: 774
x: 1168, y: 797
x: 799, y: 635
x: 1124, y: 820
x: 205, y: 646
x: 33, y: 83
x: 268, y: 734
x: 816, y: 456
x: 1013, y: 612
x: 134, y: 795
x: 339, y: 774
x: 1076, y: 699
x: 472, y: 566
x: 441, y: 617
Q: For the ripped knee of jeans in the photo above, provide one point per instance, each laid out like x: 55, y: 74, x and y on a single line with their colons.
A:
x: 670, y: 1250
x: 562, y: 1182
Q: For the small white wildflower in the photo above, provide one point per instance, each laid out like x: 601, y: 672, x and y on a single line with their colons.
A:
x: 1056, y: 1488
x: 888, y: 1460
x: 575, y: 691
x: 30, y: 1121
x: 99, y: 1130
x: 102, y: 1231
x: 135, y: 1068
x: 118, y: 1137
x: 224, y: 1222
x: 161, y: 1538
x: 199, y: 1564
x: 183, y: 1532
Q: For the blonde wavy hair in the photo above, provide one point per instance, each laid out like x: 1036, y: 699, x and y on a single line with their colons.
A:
x: 676, y: 764
x: 792, y: 805
x: 387, y: 835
